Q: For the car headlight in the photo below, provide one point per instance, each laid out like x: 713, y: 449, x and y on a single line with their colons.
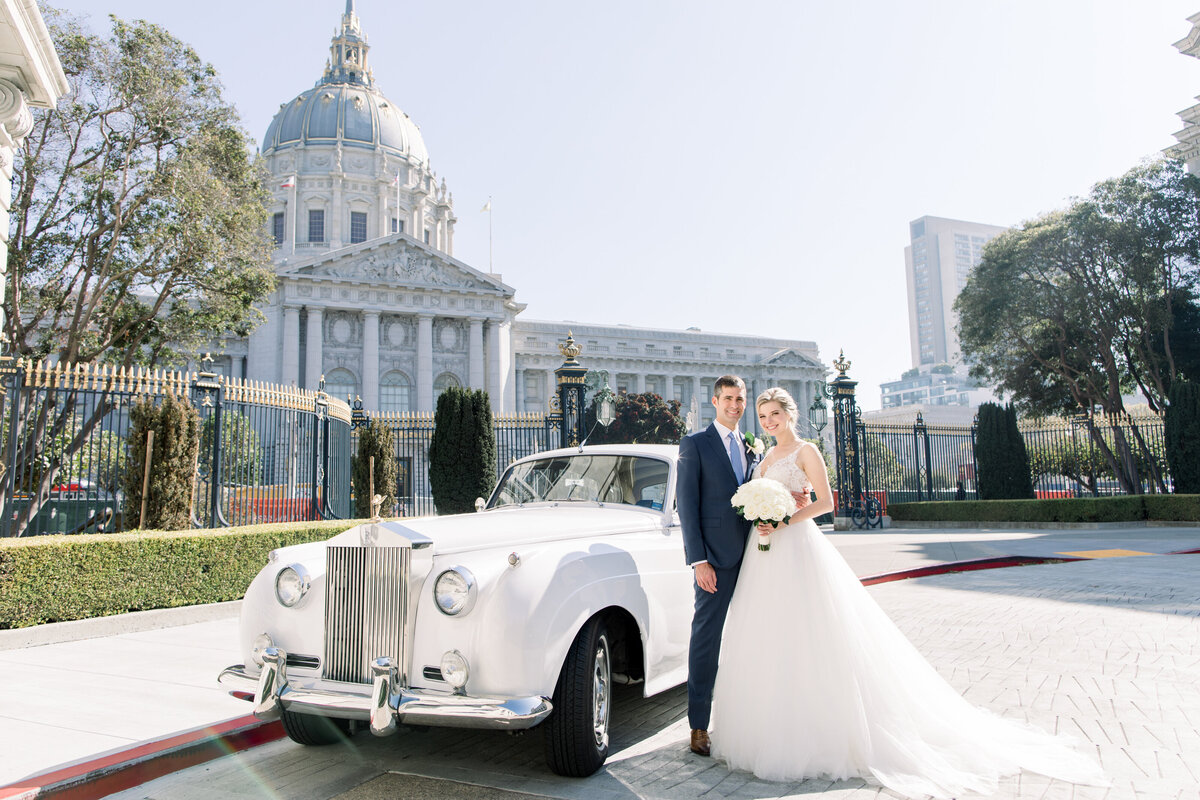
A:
x: 454, y: 591
x: 291, y: 584
x: 261, y: 643
x: 455, y: 669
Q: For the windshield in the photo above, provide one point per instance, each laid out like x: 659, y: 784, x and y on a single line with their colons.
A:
x: 624, y: 480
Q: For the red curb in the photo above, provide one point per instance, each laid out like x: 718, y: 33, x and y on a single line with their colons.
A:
x: 126, y: 769
x: 998, y: 562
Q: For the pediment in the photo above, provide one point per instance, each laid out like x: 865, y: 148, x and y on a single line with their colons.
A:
x: 792, y: 358
x: 398, y: 264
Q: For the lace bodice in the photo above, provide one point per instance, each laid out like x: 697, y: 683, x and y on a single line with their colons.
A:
x: 787, y: 472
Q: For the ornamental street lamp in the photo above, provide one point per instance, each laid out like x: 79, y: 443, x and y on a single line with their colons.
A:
x: 818, y: 414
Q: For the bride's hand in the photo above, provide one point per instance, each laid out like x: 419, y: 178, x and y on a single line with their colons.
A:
x: 767, y: 527
x: 802, y: 499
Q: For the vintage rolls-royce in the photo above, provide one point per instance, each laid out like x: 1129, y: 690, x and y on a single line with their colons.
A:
x: 570, y: 578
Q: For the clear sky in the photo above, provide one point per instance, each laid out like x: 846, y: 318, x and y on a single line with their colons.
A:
x: 743, y: 167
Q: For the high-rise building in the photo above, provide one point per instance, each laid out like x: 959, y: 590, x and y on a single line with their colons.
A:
x: 937, y: 263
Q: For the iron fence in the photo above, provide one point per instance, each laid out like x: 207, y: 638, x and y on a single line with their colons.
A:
x: 64, y: 444
x: 1088, y: 455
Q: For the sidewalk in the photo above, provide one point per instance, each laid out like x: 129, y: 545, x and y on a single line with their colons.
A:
x: 1108, y: 649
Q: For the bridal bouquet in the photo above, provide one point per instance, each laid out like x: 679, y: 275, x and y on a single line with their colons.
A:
x: 764, y: 500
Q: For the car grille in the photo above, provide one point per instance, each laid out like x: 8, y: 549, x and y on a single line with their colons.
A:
x: 366, y: 607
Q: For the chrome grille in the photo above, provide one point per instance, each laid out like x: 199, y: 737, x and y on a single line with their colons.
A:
x: 366, y: 607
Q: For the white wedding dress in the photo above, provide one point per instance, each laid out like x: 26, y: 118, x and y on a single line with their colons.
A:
x: 815, y: 680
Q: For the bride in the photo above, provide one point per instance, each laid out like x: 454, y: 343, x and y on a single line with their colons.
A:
x: 815, y: 680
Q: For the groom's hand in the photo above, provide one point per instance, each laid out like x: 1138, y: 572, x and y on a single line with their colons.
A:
x: 802, y: 499
x: 706, y: 577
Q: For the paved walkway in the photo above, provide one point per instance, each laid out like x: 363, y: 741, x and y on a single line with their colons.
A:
x: 1107, y: 650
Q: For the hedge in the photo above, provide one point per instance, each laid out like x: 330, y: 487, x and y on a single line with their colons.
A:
x: 58, y: 578
x: 1128, y: 508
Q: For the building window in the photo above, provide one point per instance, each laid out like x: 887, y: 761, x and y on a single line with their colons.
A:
x: 342, y: 384
x: 397, y: 225
x: 533, y: 388
x: 277, y: 228
x: 443, y: 382
x: 316, y: 225
x: 394, y: 392
x: 358, y: 227
x: 427, y: 236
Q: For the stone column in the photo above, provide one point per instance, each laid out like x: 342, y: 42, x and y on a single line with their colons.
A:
x: 494, y: 378
x: 425, y: 362
x: 639, y: 383
x: 520, y: 372
x: 313, y: 362
x: 15, y: 124
x: 370, y: 365
x: 475, y: 348
x: 291, y: 346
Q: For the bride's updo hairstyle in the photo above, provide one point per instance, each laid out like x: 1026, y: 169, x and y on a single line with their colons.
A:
x: 781, y: 396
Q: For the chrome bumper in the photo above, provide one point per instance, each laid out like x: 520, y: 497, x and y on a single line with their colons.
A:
x: 383, y: 703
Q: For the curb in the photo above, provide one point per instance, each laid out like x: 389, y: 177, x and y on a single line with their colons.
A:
x: 95, y: 627
x: 116, y: 772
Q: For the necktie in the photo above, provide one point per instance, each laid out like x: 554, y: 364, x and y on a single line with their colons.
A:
x: 735, y: 458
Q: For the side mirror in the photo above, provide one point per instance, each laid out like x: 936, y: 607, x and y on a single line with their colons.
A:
x: 480, y: 504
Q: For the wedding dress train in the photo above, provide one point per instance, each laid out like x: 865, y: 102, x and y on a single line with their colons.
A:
x: 815, y: 680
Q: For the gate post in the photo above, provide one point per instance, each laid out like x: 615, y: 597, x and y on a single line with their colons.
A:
x: 854, y: 505
x: 571, y: 395
x: 211, y: 389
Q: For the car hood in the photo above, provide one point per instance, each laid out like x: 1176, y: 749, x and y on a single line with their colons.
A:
x: 512, y: 525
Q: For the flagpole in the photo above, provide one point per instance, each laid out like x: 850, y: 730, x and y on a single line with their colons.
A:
x: 397, y: 201
x: 292, y: 200
x: 490, y: 268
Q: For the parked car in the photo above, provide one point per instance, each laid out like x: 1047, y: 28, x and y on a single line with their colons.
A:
x: 569, y: 579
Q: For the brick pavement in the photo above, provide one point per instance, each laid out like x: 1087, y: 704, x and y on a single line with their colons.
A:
x: 1107, y: 651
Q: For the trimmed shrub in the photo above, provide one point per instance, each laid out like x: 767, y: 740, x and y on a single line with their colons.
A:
x: 462, y: 452
x: 58, y: 578
x: 1129, y: 508
x: 376, y: 441
x: 176, y: 427
x: 641, y: 419
x: 1001, y: 455
x: 1182, y: 436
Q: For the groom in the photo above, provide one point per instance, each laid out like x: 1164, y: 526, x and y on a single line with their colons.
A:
x: 712, y: 464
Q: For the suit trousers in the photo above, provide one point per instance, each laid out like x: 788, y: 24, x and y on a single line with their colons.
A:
x: 708, y: 622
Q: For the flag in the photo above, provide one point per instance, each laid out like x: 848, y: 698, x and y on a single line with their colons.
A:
x: 289, y: 183
x: 487, y: 206
x: 396, y: 180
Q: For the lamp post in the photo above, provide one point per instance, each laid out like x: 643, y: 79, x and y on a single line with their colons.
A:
x: 818, y: 413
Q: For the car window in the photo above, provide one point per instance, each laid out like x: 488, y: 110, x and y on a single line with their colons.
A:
x: 586, y: 477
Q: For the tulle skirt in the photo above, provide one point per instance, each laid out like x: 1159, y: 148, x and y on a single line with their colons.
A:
x: 816, y: 681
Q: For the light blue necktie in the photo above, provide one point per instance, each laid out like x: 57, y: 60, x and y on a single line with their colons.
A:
x: 735, y: 458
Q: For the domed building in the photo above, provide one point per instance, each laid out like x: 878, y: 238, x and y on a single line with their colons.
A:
x: 371, y: 297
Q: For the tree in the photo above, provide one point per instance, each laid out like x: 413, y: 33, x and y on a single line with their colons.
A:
x: 176, y: 427
x: 1000, y: 453
x: 374, y: 441
x: 641, y: 419
x: 1183, y: 437
x: 462, y: 453
x: 1078, y: 307
x: 138, y: 221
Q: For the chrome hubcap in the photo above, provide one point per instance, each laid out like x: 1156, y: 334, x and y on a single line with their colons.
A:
x: 601, y: 689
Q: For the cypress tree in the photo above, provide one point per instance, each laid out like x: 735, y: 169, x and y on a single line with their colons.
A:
x: 462, y: 452
x: 1001, y: 455
x: 374, y: 440
x: 1182, y: 423
x: 176, y: 427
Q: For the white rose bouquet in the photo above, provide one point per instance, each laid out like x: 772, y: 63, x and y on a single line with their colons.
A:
x: 764, y: 500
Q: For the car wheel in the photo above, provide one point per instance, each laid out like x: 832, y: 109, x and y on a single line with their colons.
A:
x: 310, y: 730
x: 577, y: 730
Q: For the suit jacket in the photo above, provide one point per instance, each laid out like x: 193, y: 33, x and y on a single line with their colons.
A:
x: 712, y: 530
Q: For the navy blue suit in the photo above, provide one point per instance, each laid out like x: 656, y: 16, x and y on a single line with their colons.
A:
x: 712, y: 532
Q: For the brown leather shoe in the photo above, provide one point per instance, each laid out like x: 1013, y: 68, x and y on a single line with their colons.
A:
x: 700, y: 744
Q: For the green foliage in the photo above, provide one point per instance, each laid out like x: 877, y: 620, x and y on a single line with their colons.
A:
x: 176, y: 427
x: 942, y: 369
x: 462, y: 452
x: 1129, y: 508
x: 241, y: 447
x: 1077, y: 307
x: 1001, y: 456
x: 910, y: 373
x: 1182, y: 422
x: 57, y: 578
x: 374, y: 441
x: 641, y: 419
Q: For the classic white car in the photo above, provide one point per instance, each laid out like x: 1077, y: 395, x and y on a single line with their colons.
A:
x: 570, y: 578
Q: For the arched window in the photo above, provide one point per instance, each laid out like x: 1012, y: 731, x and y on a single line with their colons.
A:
x: 394, y: 392
x: 443, y: 382
x: 341, y: 383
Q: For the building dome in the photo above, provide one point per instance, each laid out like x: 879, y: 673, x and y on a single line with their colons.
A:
x: 345, y: 107
x: 352, y: 114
